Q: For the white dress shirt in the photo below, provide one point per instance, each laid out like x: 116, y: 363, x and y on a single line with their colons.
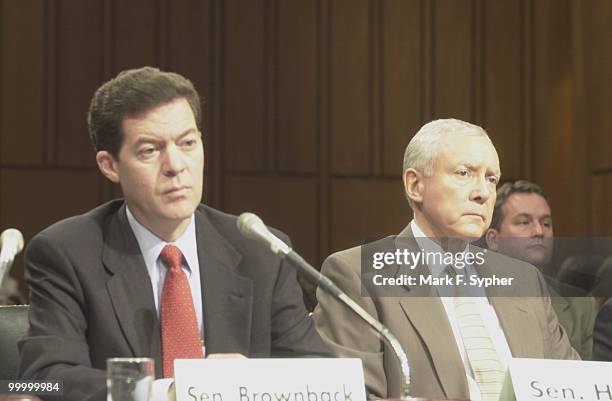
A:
x: 487, y: 312
x: 150, y: 247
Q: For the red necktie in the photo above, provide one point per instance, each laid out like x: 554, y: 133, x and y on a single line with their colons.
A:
x: 179, y: 326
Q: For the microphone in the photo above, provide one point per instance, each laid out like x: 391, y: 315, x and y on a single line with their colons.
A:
x: 11, y: 243
x: 253, y: 227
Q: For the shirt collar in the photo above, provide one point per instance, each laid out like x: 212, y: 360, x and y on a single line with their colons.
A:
x: 151, y: 245
x: 429, y: 246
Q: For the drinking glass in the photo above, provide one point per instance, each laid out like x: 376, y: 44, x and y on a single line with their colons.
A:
x: 129, y: 379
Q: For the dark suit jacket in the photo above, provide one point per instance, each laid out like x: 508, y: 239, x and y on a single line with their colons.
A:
x: 91, y: 299
x: 416, y: 316
x: 602, y: 335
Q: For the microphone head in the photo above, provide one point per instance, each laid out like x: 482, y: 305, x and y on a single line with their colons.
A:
x: 13, y: 237
x: 249, y: 224
x: 11, y: 243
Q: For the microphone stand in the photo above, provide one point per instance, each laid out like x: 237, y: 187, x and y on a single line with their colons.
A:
x: 327, y: 285
x: 251, y: 226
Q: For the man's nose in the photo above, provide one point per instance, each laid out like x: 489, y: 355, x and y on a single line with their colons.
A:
x: 173, y: 161
x: 481, y: 192
x: 538, y: 230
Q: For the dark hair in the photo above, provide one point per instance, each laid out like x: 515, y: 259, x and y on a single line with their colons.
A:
x: 504, y: 192
x: 130, y: 94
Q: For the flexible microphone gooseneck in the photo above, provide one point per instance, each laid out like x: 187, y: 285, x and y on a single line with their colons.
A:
x: 251, y: 226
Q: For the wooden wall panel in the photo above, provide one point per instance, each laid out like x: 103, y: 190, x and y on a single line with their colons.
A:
x: 350, y: 108
x: 245, y: 100
x: 559, y: 153
x: 21, y: 105
x: 601, y: 212
x: 366, y: 209
x: 297, y: 129
x: 286, y: 203
x: 48, y: 196
x: 453, y: 63
x: 503, y: 83
x: 189, y: 46
x: 78, y: 68
x: 136, y: 34
x: 401, y: 80
x: 597, y: 48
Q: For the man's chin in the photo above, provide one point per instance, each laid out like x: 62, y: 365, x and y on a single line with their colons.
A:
x: 470, y: 233
x: 180, y: 210
x: 539, y: 260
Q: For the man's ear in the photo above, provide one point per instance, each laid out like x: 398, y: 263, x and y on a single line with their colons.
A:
x: 413, y: 185
x: 491, y: 236
x: 107, y: 165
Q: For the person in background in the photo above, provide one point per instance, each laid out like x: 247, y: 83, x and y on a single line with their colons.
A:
x: 602, y: 335
x: 522, y: 227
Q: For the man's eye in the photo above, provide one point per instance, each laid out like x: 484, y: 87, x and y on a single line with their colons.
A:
x: 493, y: 180
x: 462, y: 173
x: 189, y: 143
x: 147, y: 152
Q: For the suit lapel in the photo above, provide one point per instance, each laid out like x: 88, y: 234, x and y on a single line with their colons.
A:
x: 130, y: 291
x: 425, y: 311
x: 429, y: 319
x: 227, y: 296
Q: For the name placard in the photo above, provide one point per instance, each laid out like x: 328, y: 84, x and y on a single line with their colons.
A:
x: 549, y: 379
x: 308, y: 379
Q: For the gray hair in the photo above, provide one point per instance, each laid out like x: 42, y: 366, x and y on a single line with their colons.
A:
x: 423, y: 148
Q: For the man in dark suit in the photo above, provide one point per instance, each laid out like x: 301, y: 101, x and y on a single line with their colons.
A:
x: 458, y: 339
x: 602, y: 335
x: 125, y: 278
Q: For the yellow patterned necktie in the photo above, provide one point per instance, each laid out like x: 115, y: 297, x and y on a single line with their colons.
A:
x: 486, y: 365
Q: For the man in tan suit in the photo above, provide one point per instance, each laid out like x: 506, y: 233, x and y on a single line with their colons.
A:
x: 522, y: 227
x: 451, y: 171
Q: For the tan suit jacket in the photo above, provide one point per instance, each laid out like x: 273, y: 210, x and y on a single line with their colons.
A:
x: 420, y: 323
